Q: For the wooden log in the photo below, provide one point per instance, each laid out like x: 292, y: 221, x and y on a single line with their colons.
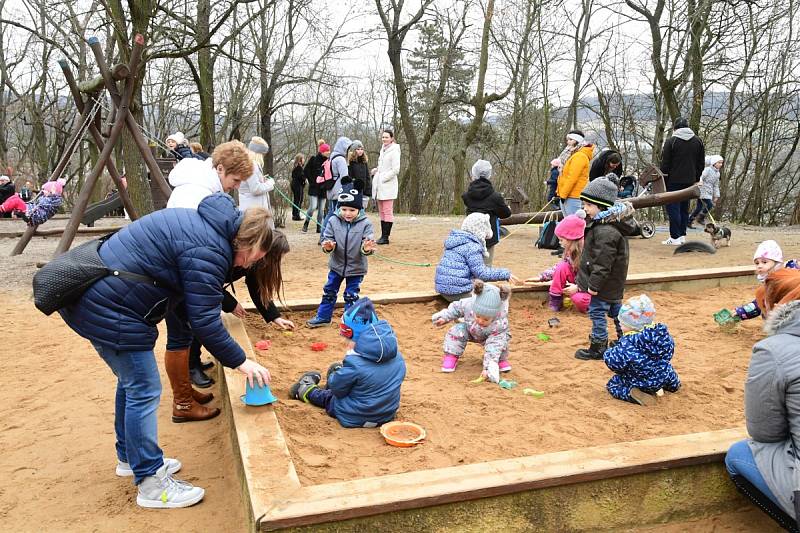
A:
x: 640, y: 202
x: 91, y: 86
x: 50, y: 232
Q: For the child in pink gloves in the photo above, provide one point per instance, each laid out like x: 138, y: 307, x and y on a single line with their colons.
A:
x: 570, y: 235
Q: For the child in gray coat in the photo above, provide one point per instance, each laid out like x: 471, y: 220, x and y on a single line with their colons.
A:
x: 348, y: 238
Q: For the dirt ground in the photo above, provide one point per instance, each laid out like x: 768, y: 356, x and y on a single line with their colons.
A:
x: 56, y: 428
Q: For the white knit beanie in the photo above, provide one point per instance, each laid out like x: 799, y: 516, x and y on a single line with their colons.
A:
x: 478, y: 224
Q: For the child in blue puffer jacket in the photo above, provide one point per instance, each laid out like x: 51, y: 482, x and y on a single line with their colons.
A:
x: 364, y: 389
x: 641, y: 358
x: 463, y: 259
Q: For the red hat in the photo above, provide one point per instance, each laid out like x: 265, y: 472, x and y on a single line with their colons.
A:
x: 572, y: 227
x: 324, y: 147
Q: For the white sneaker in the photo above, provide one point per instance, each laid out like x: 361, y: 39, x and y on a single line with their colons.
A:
x: 173, y: 465
x: 672, y: 242
x: 162, y: 491
x: 682, y: 239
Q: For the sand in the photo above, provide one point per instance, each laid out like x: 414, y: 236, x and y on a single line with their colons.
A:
x: 468, y: 422
x: 56, y: 425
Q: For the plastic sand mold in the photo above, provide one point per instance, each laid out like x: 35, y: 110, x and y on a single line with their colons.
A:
x: 264, y: 345
x: 318, y: 346
x: 543, y: 337
x: 479, y: 379
x: 287, y: 332
x: 402, y: 434
x: 724, y: 316
x: 533, y: 392
x: 507, y: 384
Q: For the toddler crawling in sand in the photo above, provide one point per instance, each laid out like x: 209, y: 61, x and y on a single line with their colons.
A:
x: 485, y: 315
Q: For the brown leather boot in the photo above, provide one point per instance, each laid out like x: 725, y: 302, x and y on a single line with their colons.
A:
x: 184, y: 406
x: 202, y: 397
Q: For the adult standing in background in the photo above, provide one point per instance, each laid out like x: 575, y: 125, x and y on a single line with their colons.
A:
x: 254, y: 192
x: 357, y: 164
x: 316, y: 196
x: 385, y: 183
x: 575, y: 174
x: 298, y: 185
x: 682, y: 161
x: 480, y: 197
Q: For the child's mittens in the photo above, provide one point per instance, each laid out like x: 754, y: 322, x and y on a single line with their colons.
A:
x: 493, y: 371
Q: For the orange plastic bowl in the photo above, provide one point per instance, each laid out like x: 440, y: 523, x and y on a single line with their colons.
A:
x: 402, y: 434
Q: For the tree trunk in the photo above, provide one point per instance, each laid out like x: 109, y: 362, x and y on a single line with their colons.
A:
x: 205, y: 68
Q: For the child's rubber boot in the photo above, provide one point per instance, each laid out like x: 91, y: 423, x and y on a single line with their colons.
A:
x: 307, y: 382
x: 505, y: 366
x: 331, y: 370
x: 317, y: 322
x: 449, y: 363
x: 555, y: 302
x: 595, y: 351
x: 639, y: 397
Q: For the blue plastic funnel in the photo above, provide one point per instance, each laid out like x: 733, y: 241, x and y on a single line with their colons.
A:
x: 258, y: 395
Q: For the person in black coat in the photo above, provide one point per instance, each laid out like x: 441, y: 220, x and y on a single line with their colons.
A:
x: 316, y: 197
x: 682, y: 161
x: 608, y: 162
x: 7, y: 190
x: 358, y: 169
x: 481, y: 197
x: 298, y: 185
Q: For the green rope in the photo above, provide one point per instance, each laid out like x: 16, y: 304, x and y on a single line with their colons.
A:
x: 376, y: 254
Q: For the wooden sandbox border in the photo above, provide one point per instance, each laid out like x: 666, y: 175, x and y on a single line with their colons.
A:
x: 687, y: 466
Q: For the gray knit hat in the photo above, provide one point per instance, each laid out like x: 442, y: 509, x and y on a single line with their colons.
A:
x: 481, y: 169
x: 602, y: 191
x: 487, y: 301
x: 355, y: 145
x: 258, y: 145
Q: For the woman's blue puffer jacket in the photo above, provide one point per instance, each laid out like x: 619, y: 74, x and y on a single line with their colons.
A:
x: 189, y: 252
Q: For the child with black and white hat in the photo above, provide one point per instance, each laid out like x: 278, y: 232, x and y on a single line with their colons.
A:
x: 348, y: 238
x: 604, y: 260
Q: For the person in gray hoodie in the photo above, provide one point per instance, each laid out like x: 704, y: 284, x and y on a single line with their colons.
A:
x: 348, y: 238
x: 341, y: 175
x: 765, y: 468
x: 709, y: 190
x: 682, y: 160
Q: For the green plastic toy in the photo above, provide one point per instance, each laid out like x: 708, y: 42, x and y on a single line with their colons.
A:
x: 507, y: 384
x: 533, y: 392
x: 724, y: 316
x: 543, y: 337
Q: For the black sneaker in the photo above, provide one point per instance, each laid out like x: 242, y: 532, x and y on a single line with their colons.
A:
x: 307, y: 382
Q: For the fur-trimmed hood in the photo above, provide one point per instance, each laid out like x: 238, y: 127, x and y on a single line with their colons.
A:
x: 784, y: 319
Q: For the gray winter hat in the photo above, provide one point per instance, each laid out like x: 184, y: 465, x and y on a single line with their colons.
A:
x: 481, y: 169
x: 681, y: 122
x: 258, y: 145
x: 602, y: 191
x: 356, y: 145
x: 488, y: 302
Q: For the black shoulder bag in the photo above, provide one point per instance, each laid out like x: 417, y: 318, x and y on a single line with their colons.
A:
x: 62, y: 281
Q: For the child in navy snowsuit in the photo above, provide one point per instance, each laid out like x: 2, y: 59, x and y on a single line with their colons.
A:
x: 349, y: 239
x: 42, y: 208
x: 364, y: 389
x: 641, y: 358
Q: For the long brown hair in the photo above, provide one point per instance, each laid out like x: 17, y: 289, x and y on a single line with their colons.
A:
x: 298, y: 160
x: 572, y: 252
x: 353, y: 157
x: 254, y: 233
x: 268, y: 271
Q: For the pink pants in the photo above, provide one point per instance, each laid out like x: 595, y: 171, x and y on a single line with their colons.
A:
x: 14, y: 203
x: 563, y: 275
x: 386, y: 210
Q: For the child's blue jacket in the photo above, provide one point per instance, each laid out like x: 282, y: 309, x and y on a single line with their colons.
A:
x: 366, y: 390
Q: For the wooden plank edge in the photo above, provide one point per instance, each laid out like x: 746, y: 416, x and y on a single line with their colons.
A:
x: 405, y: 491
x: 59, y: 231
x: 309, y: 304
x: 259, y: 427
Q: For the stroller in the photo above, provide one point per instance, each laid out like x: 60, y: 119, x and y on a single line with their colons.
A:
x: 651, y: 181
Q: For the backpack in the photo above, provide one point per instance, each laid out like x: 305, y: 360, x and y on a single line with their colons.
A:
x: 547, y: 236
x: 327, y: 180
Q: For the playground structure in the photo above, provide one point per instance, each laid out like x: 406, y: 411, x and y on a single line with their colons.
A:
x: 119, y: 117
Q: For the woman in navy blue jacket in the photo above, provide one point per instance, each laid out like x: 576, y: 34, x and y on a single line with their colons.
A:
x: 189, y: 252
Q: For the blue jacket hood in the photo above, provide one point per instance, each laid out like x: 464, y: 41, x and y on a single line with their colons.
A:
x: 341, y: 146
x: 459, y: 237
x: 221, y: 213
x: 377, y: 343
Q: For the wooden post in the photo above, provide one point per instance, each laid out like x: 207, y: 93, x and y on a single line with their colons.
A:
x: 133, y: 126
x: 98, y: 140
x: 83, y: 198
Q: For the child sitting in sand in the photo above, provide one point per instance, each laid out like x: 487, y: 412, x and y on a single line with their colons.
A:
x: 768, y: 259
x: 463, y: 259
x: 641, y: 358
x: 485, y: 322
x: 41, y: 209
x: 364, y: 389
x: 562, y: 276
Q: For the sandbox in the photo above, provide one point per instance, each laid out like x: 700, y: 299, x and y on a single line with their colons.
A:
x: 300, y: 467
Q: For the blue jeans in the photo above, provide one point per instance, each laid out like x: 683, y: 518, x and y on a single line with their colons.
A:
x: 332, y: 205
x: 740, y: 461
x: 322, y: 398
x: 678, y: 214
x: 598, y: 309
x: 135, y: 420
x: 570, y: 206
x: 331, y: 290
x: 704, y: 207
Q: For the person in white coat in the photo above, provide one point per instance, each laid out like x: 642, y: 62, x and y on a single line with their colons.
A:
x: 254, y: 192
x: 194, y: 179
x: 384, y: 183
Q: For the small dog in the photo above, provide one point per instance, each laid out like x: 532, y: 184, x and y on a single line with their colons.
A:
x: 718, y: 234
